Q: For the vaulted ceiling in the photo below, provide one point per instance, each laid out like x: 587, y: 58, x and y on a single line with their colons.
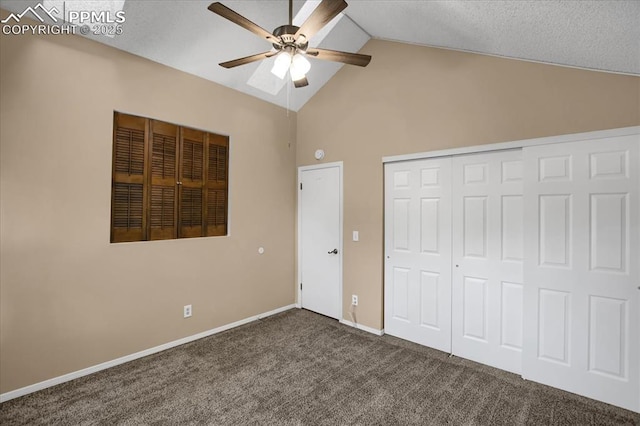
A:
x: 600, y: 35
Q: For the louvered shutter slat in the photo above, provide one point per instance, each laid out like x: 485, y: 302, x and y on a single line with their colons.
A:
x: 216, y: 207
x: 216, y: 185
x: 192, y: 177
x: 163, y: 192
x: 128, y: 192
x: 192, y: 156
x: 162, y: 208
x: 163, y: 161
x: 191, y: 214
x: 129, y: 152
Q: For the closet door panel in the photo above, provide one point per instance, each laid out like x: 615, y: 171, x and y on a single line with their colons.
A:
x: 582, y: 231
x: 487, y: 258
x: 418, y: 251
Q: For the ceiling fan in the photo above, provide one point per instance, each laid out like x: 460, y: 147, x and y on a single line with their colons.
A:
x: 291, y: 43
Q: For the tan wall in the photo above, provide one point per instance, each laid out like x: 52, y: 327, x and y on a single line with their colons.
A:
x: 415, y: 99
x: 69, y: 299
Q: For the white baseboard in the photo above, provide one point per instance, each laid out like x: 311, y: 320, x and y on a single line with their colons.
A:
x: 108, y: 364
x: 362, y: 327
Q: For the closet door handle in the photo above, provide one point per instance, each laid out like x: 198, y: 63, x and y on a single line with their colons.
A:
x: 334, y: 251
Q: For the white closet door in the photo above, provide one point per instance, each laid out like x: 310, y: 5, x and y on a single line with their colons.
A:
x: 582, y: 226
x: 487, y: 256
x: 418, y: 252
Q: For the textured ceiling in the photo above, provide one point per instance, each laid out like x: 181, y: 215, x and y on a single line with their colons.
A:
x: 601, y: 35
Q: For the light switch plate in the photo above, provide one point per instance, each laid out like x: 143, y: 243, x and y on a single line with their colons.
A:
x: 356, y: 236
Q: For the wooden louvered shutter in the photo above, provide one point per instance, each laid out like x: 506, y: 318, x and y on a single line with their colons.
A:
x: 216, y: 185
x: 128, y: 209
x: 192, y: 182
x: 168, y: 181
x: 164, y: 192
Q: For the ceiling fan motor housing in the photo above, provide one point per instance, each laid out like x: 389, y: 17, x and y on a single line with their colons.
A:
x: 286, y: 33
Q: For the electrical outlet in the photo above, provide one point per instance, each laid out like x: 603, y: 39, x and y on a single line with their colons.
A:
x: 354, y: 299
x: 187, y: 311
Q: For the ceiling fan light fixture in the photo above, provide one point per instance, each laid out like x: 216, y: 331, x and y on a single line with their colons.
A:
x: 296, y: 75
x: 300, y: 63
x: 281, y: 64
x: 300, y: 66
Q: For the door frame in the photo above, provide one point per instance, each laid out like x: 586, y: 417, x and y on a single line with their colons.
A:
x: 572, y: 137
x: 302, y: 169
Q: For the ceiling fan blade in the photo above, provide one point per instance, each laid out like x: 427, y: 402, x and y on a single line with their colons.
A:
x: 325, y: 12
x: 238, y: 19
x: 247, y: 59
x: 336, y: 56
x: 301, y: 83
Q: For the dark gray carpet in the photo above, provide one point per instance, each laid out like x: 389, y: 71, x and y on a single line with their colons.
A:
x: 299, y: 368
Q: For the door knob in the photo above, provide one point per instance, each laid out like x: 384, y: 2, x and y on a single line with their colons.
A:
x: 334, y: 251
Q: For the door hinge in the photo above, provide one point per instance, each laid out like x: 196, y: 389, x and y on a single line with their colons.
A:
x: 300, y: 185
x: 300, y: 286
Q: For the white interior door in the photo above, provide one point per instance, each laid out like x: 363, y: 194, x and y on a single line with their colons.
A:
x: 487, y: 256
x: 320, y: 239
x: 582, y: 260
x: 417, y: 287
